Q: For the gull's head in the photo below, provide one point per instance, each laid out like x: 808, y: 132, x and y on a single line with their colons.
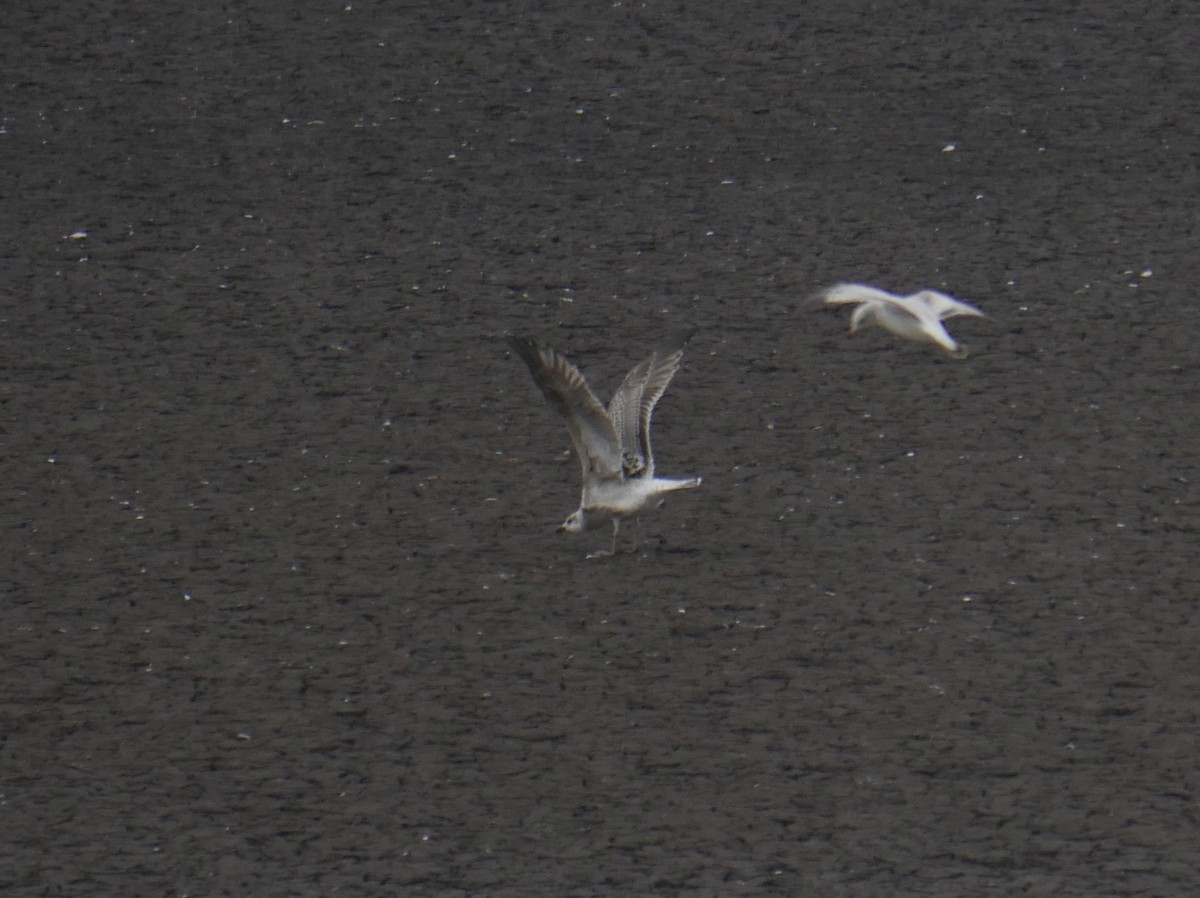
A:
x: 575, y: 523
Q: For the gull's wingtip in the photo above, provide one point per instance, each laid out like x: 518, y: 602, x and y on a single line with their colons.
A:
x: 681, y: 341
x: 536, y: 355
x: 525, y: 347
x: 676, y: 343
x: 529, y: 348
x: 814, y: 298
x: 516, y: 340
x: 824, y: 296
x: 844, y: 292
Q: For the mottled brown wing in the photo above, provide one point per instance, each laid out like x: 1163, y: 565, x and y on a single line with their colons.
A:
x: 592, y: 434
x: 633, y: 404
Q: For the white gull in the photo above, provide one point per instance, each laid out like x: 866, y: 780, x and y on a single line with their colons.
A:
x: 613, y: 445
x: 916, y: 317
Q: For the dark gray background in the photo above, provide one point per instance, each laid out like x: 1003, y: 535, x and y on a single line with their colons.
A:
x: 284, y: 609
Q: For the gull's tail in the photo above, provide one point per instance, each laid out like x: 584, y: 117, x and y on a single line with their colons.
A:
x: 668, y: 485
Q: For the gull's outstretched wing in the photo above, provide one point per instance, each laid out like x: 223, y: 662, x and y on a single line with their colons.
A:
x: 944, y: 306
x: 591, y: 431
x: 843, y: 294
x: 633, y: 404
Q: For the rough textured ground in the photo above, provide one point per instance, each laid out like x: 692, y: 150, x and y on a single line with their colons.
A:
x: 284, y: 609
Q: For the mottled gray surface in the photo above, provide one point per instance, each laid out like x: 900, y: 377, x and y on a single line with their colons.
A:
x: 285, y: 613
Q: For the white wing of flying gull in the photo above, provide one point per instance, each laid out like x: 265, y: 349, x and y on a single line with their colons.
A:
x: 613, y: 444
x: 917, y: 317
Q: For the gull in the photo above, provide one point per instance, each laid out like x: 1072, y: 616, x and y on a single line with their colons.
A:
x: 917, y: 317
x: 613, y: 444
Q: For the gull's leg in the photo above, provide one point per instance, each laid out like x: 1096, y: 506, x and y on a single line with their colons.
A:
x: 601, y: 553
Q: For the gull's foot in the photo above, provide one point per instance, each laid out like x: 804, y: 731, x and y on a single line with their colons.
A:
x: 601, y: 553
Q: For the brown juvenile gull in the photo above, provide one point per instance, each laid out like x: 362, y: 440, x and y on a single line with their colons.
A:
x: 613, y: 445
x: 917, y: 317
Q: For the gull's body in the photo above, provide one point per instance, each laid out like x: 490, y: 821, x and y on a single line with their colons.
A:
x: 613, y: 444
x: 918, y: 317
